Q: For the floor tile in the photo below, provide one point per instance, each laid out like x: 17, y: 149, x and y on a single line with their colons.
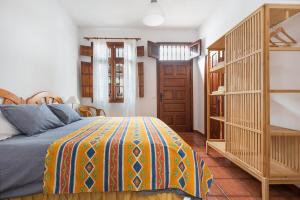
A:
x: 218, y: 162
x: 253, y: 186
x: 214, y: 154
x: 229, y: 172
x: 233, y: 187
x: 242, y: 198
x: 216, y: 198
x: 215, y: 191
x: 212, y: 162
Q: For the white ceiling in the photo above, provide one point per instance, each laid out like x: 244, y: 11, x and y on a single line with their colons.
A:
x: 129, y: 13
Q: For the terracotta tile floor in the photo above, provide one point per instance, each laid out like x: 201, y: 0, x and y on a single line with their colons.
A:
x: 230, y: 181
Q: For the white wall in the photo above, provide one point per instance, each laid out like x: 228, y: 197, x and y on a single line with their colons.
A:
x: 38, y: 48
x: 226, y: 15
x: 147, y: 106
x: 284, y: 71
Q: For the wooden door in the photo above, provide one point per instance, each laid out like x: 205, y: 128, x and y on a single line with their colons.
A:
x: 175, y: 94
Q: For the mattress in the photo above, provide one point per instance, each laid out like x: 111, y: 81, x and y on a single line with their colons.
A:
x: 22, y: 160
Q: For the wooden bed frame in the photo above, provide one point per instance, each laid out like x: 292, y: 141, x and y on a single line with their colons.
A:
x: 38, y: 98
x: 8, y: 97
x: 44, y: 97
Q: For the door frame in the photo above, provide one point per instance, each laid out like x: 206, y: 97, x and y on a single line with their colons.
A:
x: 158, y: 62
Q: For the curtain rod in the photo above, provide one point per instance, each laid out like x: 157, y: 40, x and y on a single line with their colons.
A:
x: 108, y: 38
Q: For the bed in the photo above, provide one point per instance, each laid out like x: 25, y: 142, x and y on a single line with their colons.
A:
x: 100, y: 158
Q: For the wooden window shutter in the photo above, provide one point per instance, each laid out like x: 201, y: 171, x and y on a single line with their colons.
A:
x: 195, y: 49
x: 153, y: 50
x: 140, y: 51
x: 141, y: 78
x: 86, y: 50
x: 86, y: 79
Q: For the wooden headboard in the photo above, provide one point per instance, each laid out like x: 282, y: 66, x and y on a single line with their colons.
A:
x: 44, y: 97
x: 7, y: 97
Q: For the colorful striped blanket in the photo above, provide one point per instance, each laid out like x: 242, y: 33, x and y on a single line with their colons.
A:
x: 124, y: 154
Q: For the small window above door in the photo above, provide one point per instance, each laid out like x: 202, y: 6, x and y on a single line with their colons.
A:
x: 174, y: 51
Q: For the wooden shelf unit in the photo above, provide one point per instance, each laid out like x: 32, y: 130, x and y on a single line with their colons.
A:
x: 269, y: 153
x: 215, y: 100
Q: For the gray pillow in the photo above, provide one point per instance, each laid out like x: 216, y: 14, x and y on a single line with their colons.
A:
x: 65, y: 113
x: 31, y: 119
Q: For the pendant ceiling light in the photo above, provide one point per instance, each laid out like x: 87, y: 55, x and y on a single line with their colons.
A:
x: 154, y: 15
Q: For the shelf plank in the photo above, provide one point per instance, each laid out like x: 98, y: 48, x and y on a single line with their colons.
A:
x: 218, y: 146
x: 284, y: 48
x: 280, y: 171
x: 217, y: 94
x: 219, y: 68
x: 285, y: 91
x: 280, y: 131
x: 218, y: 118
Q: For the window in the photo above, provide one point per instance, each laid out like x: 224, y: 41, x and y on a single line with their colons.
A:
x: 174, y: 52
x: 116, y: 72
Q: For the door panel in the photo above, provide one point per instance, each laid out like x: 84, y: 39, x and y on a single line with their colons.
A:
x: 175, y: 90
x: 169, y: 107
x: 179, y: 82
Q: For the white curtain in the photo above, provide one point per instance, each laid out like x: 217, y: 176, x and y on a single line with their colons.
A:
x: 130, y: 78
x: 100, y: 75
x: 101, y: 90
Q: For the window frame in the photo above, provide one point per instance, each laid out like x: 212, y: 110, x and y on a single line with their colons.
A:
x: 113, y: 60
